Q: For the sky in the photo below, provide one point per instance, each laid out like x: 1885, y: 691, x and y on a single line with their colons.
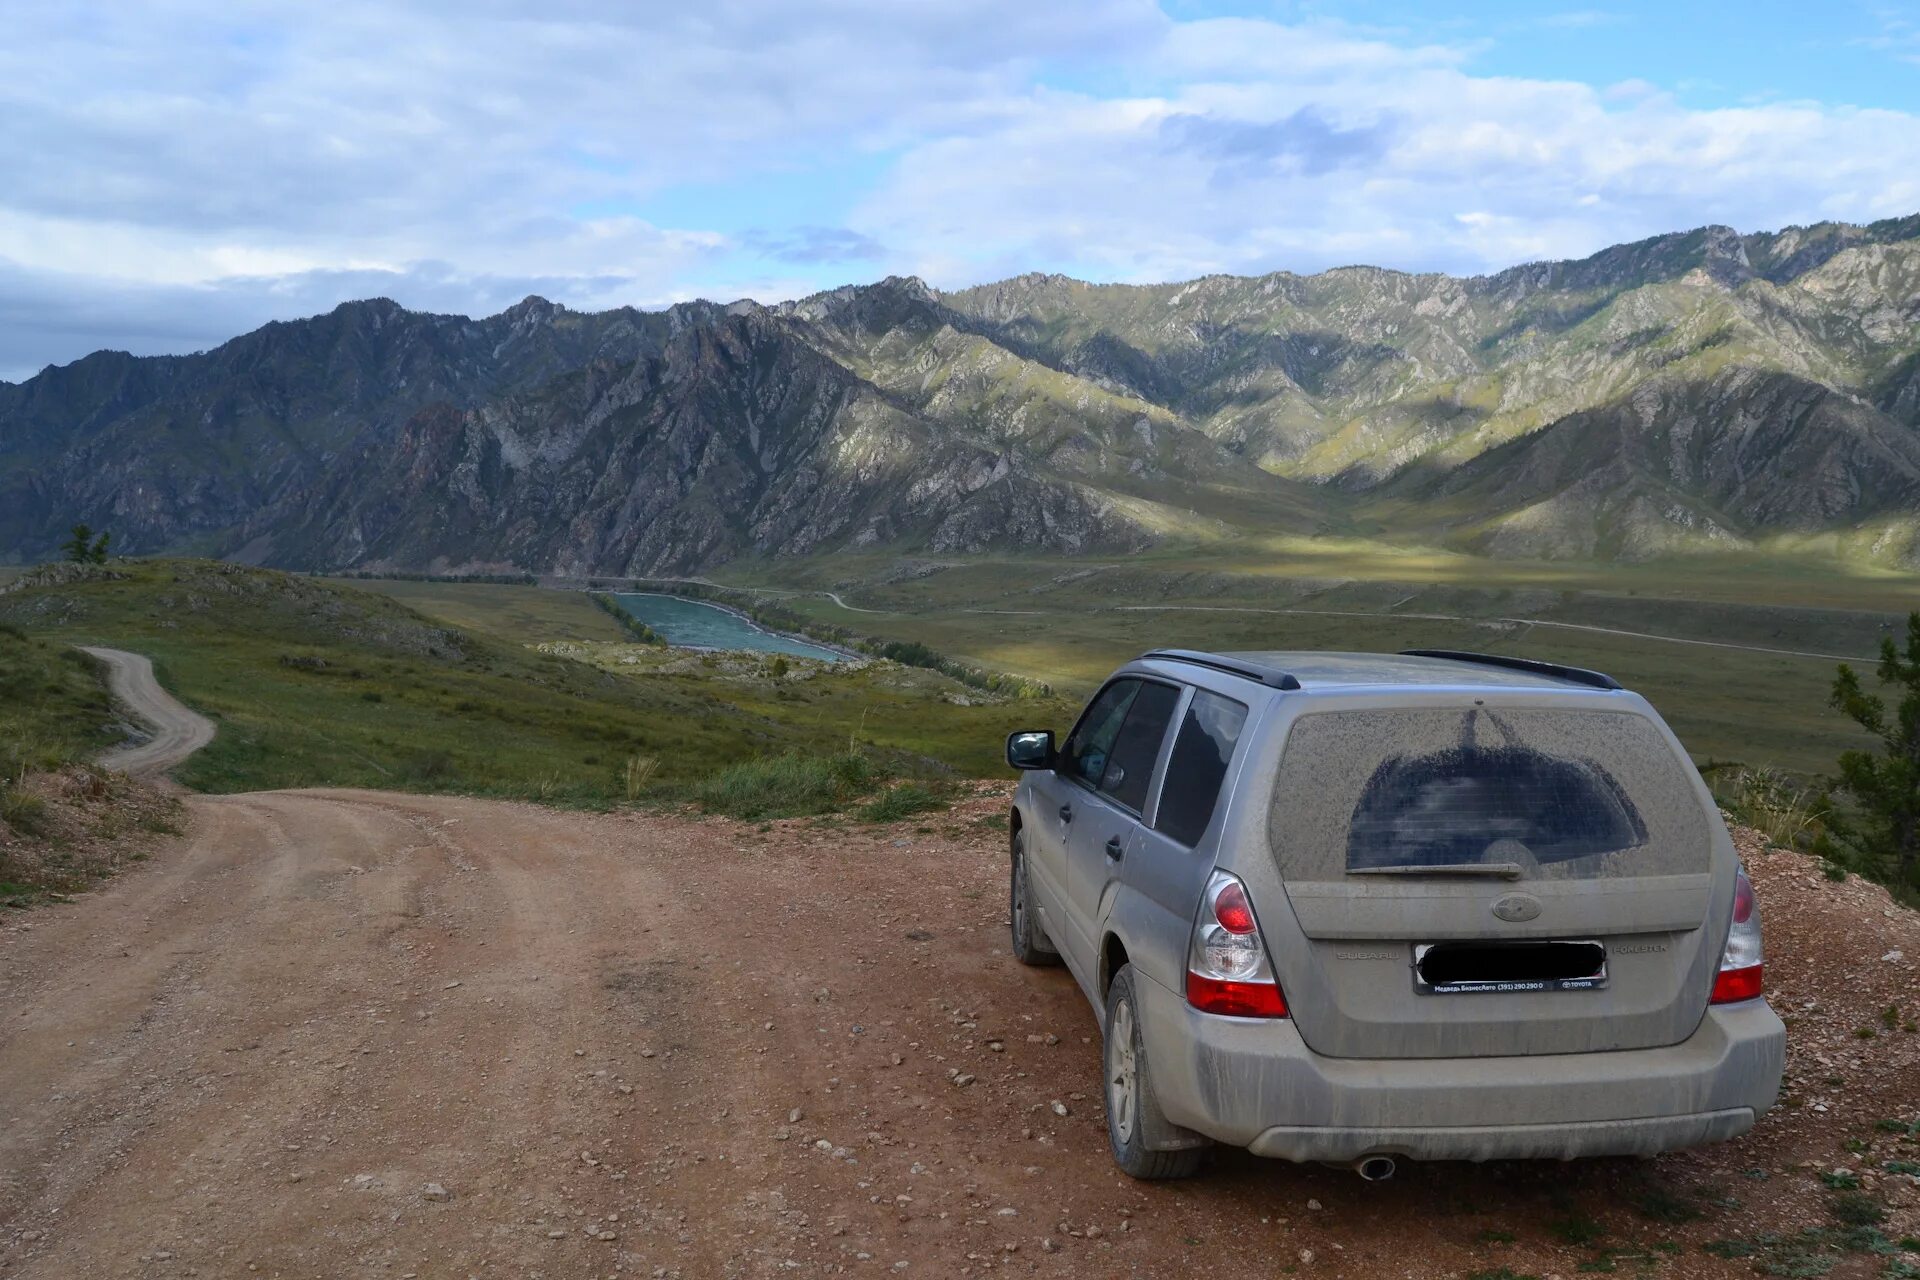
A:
x: 181, y: 171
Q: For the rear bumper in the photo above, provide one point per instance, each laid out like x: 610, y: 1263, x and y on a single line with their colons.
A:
x: 1255, y: 1084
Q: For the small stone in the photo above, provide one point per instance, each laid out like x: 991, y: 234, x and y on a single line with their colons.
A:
x: 1314, y: 1204
x: 996, y: 1046
x: 556, y: 1234
x: 295, y: 1177
x: 646, y: 1053
x: 1306, y: 1257
x: 962, y: 1079
x: 623, y: 1088
x: 794, y: 1116
x: 451, y: 985
x: 1059, y: 1107
x: 1095, y: 1232
x: 437, y: 1193
x: 1894, y: 956
x: 1049, y: 1245
x: 579, y: 1053
x: 1007, y: 1211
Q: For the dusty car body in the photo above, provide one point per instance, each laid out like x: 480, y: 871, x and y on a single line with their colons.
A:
x: 1363, y: 907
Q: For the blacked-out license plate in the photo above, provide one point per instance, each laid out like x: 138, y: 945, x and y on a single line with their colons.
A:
x: 1479, y: 968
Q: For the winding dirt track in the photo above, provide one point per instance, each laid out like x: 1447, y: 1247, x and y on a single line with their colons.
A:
x: 178, y: 731
x: 639, y: 1045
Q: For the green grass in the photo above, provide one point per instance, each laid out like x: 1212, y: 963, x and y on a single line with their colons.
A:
x: 1577, y: 1229
x: 53, y: 704
x: 313, y: 683
x: 510, y: 614
x: 21, y: 810
x: 1069, y: 622
x: 790, y: 785
x: 903, y: 800
x: 897, y: 712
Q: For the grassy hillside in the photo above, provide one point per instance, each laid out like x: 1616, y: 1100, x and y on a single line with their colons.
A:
x: 317, y: 683
x: 901, y: 708
x: 53, y: 705
x: 1071, y: 621
x: 508, y: 612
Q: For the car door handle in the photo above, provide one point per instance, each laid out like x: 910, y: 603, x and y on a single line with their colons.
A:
x: 1066, y: 813
x: 1114, y: 848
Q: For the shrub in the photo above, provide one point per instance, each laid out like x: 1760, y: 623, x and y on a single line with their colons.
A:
x: 788, y: 786
x: 639, y: 772
x: 430, y: 766
x: 901, y: 801
x: 1856, y: 1209
x: 1765, y: 800
x: 640, y: 631
x: 22, y: 810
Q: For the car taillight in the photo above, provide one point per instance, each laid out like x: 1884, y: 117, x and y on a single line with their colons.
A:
x: 1227, y: 967
x: 1740, y: 964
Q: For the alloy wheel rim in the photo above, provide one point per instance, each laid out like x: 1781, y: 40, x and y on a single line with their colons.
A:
x: 1122, y: 1071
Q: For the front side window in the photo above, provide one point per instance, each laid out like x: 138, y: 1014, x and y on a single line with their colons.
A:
x: 1198, y: 766
x: 1130, y: 765
x: 1085, y: 756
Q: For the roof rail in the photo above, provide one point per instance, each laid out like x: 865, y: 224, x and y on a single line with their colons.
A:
x: 1579, y: 675
x: 1269, y: 676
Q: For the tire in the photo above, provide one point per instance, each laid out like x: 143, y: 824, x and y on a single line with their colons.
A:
x: 1127, y: 1087
x: 1030, y: 945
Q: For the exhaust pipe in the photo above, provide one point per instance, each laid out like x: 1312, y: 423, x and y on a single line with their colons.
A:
x: 1374, y: 1168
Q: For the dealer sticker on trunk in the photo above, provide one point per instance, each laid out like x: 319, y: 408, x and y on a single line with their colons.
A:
x: 1478, y: 968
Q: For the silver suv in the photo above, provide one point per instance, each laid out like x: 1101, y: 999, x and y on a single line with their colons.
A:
x: 1352, y: 907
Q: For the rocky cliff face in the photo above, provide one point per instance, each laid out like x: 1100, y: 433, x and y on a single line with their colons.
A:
x: 1705, y: 388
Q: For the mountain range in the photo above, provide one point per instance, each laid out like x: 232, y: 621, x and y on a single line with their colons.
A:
x: 1696, y: 390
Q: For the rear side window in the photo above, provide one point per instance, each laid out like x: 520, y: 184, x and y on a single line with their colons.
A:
x: 1088, y: 746
x: 1130, y: 766
x: 1198, y: 766
x: 1555, y: 793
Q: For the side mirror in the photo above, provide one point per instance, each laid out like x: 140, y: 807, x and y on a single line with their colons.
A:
x: 1030, y: 749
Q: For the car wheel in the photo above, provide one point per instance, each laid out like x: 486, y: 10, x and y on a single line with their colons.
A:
x: 1131, y: 1108
x: 1030, y: 945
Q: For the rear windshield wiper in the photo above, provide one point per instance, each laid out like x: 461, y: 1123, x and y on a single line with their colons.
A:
x: 1501, y: 870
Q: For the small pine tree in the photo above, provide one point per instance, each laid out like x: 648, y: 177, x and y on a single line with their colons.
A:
x: 1886, y: 783
x: 83, y: 547
x: 79, y: 545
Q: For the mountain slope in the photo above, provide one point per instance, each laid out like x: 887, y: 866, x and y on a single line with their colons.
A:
x: 735, y: 438
x: 1699, y: 389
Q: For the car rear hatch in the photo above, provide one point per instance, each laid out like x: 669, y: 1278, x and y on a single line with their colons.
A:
x: 1491, y: 877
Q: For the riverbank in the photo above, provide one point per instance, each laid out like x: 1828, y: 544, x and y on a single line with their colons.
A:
x: 677, y: 620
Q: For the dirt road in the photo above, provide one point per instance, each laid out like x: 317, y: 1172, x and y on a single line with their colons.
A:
x: 335, y: 1033
x: 177, y: 731
x: 644, y: 1045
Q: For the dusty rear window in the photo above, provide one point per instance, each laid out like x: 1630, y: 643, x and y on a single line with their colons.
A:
x: 1547, y: 793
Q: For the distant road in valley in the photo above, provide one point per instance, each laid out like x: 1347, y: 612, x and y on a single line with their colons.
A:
x: 178, y: 730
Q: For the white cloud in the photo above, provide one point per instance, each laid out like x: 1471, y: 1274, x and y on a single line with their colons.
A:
x: 180, y: 169
x: 1406, y: 160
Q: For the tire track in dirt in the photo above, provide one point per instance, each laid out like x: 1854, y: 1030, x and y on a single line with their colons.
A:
x: 593, y: 1031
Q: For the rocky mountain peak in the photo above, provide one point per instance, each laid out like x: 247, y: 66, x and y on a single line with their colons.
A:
x: 1620, y: 404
